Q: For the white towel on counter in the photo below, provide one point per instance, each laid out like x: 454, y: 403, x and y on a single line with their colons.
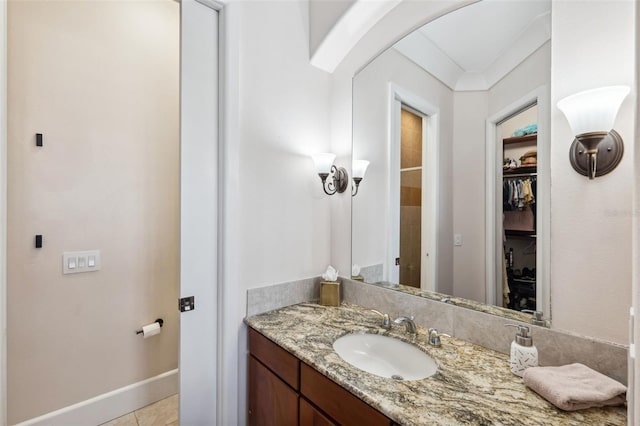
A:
x: 574, y: 386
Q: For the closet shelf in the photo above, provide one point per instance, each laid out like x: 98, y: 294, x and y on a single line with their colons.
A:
x: 520, y: 170
x: 519, y: 139
x: 525, y: 234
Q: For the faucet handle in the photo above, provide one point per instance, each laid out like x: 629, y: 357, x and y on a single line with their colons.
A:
x: 434, y: 337
x: 386, y: 321
x: 536, y: 317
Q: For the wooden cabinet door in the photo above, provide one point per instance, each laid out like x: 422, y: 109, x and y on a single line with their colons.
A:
x: 309, y: 416
x: 271, y: 401
x: 337, y: 402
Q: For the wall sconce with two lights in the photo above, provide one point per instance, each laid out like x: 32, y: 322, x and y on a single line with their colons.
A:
x: 591, y: 115
x: 336, y: 179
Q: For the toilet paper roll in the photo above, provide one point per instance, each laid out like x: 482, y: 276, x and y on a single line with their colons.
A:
x: 150, y: 330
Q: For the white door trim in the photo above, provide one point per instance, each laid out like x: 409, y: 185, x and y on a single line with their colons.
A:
x: 430, y: 183
x: 232, y: 342
x: 199, y: 218
x: 212, y: 4
x: 493, y: 245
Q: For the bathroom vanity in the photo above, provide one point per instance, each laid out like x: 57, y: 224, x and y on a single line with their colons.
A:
x: 285, y: 391
x: 296, y: 377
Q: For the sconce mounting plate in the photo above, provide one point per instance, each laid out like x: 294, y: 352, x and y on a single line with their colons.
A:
x: 341, y: 181
x: 610, y: 151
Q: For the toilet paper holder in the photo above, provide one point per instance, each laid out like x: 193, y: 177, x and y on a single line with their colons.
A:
x: 159, y: 321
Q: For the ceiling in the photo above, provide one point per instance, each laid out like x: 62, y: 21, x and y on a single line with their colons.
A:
x: 474, y: 47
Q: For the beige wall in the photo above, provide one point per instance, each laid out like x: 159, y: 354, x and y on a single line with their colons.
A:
x: 100, y: 81
x: 472, y: 109
x: 591, y: 233
x: 525, y: 118
x: 277, y: 221
x: 633, y: 408
x: 469, y: 117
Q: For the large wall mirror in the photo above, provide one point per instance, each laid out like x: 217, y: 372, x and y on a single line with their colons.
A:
x: 455, y: 122
x: 455, y: 114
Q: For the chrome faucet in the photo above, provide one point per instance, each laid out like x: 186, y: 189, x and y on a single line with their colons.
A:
x: 408, y: 323
x: 386, y: 321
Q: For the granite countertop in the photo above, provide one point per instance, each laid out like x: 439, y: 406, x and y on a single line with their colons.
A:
x: 473, y: 384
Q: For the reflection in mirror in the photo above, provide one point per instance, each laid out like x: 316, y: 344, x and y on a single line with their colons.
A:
x: 454, y: 124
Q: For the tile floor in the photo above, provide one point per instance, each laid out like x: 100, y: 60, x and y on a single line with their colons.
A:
x: 161, y: 413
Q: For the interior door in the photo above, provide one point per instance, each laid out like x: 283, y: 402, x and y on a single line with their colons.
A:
x: 198, y: 212
x: 411, y: 178
x: 412, y: 191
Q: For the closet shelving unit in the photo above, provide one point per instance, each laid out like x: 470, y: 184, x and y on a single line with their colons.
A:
x: 521, y: 171
x: 521, y: 287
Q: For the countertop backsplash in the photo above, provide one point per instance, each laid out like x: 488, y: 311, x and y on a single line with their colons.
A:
x: 555, y: 347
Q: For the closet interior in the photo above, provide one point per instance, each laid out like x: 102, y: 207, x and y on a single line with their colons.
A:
x: 519, y: 193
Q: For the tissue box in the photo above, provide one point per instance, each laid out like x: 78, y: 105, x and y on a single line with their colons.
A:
x: 330, y: 293
x: 357, y: 278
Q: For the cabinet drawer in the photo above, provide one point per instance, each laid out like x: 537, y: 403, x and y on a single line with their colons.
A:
x: 336, y: 401
x: 271, y: 401
x: 277, y: 359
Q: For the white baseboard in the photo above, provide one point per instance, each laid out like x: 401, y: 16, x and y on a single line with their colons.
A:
x: 111, y: 405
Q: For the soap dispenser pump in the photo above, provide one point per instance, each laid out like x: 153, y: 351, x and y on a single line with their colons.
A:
x: 523, y: 353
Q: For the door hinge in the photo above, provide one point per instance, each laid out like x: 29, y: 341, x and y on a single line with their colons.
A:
x: 187, y: 304
x: 397, y: 261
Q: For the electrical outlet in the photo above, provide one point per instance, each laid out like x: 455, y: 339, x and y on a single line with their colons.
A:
x: 75, y: 262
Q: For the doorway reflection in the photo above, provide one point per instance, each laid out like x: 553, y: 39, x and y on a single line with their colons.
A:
x: 410, y: 197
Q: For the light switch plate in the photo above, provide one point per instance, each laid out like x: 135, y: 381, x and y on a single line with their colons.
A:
x: 457, y: 240
x: 84, y: 261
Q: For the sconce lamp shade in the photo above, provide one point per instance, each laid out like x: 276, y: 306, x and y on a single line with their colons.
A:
x: 593, y: 110
x: 360, y: 168
x: 323, y: 162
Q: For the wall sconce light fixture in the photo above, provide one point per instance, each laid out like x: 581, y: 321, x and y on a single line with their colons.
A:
x: 591, y: 115
x: 359, y: 169
x: 339, y: 180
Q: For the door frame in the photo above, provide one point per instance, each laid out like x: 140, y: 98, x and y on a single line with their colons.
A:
x: 200, y: 136
x: 430, y: 184
x: 493, y: 249
x: 3, y: 212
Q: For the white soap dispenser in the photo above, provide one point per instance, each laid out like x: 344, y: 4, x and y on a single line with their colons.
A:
x: 523, y: 353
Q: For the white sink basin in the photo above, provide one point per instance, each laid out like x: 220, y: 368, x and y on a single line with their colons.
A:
x: 385, y: 356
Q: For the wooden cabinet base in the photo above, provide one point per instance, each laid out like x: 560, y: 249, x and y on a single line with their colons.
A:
x: 336, y: 401
x: 277, y: 379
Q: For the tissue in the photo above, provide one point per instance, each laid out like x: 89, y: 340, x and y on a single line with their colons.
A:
x: 331, y: 274
x: 355, y: 270
x: 330, y: 288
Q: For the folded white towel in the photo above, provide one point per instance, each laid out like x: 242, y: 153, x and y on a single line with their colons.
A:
x: 574, y: 386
